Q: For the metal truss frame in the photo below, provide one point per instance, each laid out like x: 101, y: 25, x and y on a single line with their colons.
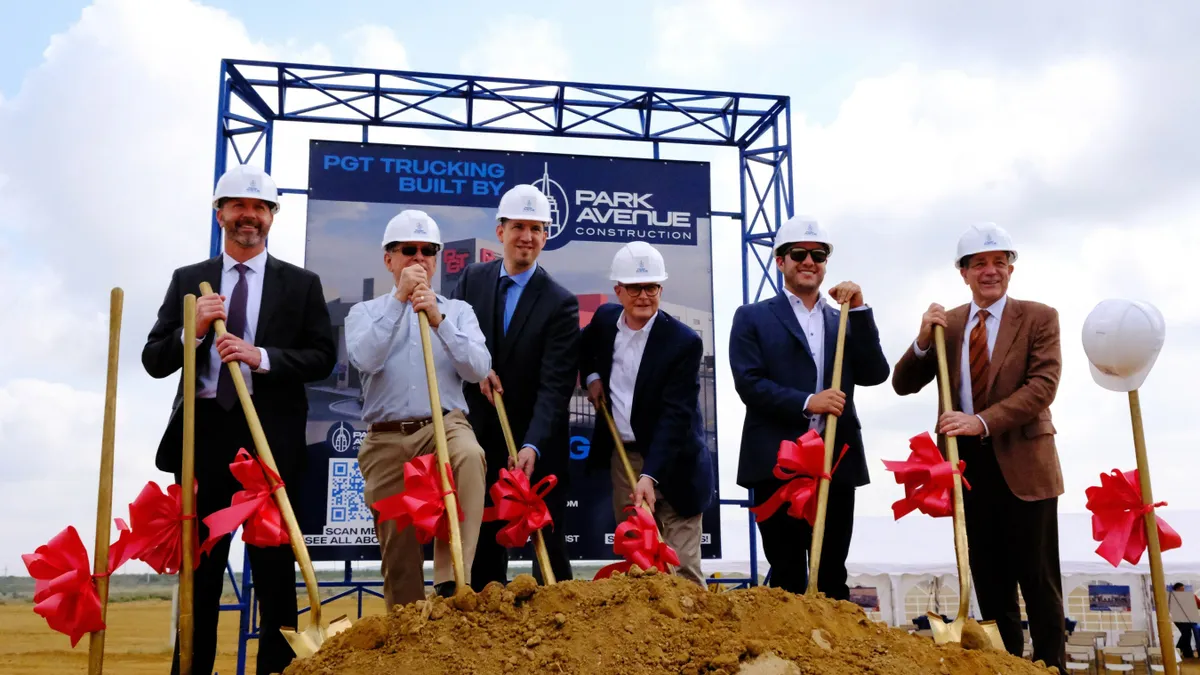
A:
x: 254, y: 95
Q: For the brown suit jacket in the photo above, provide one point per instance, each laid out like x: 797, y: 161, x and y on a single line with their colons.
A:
x: 1022, y: 380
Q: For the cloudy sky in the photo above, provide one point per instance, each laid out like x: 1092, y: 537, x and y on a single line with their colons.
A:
x: 1072, y: 124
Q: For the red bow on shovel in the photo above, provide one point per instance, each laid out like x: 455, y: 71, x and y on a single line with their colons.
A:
x: 252, y: 507
x: 802, y: 465
x: 928, y: 479
x: 422, y: 503
x: 65, y: 590
x: 521, y: 505
x: 637, y: 541
x: 156, y: 536
x: 1117, y: 518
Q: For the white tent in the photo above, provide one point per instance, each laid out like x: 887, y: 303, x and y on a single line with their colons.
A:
x: 909, y: 565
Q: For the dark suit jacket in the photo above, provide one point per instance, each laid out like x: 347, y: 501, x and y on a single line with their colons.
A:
x: 536, y: 362
x: 1023, y: 378
x: 665, y: 413
x: 294, y: 328
x: 774, y: 373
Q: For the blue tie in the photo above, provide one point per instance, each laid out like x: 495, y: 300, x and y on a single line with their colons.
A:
x: 505, y: 315
x: 235, y: 324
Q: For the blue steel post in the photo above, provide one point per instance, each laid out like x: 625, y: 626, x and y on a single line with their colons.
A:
x: 219, y: 157
x: 244, y: 620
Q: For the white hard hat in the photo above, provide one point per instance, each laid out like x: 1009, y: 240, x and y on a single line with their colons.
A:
x: 412, y: 225
x: 638, y: 263
x: 984, y: 237
x: 245, y: 180
x: 524, y: 202
x: 1122, y: 339
x: 801, y: 229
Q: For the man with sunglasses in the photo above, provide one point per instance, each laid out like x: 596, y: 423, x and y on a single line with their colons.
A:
x: 383, y: 341
x: 1004, y: 361
x: 781, y: 352
x: 647, y: 363
x: 531, y: 325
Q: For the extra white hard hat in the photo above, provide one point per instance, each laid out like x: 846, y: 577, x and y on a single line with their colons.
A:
x: 1122, y: 339
x: 244, y: 180
x: 638, y: 263
x: 984, y: 237
x: 412, y: 225
x: 801, y: 229
x: 524, y: 202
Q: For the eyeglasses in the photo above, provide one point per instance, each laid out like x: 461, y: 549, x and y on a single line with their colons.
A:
x: 428, y: 250
x: 636, y: 290
x: 798, y: 254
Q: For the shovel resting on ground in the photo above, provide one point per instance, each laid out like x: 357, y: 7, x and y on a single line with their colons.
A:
x: 818, y: 531
x: 304, y: 643
x: 539, y: 542
x: 952, y: 632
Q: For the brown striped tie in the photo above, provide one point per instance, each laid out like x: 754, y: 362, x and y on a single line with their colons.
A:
x: 979, y: 362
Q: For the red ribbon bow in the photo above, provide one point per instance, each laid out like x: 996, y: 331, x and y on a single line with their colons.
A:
x: 64, y: 592
x: 156, y: 535
x: 1117, y: 518
x: 928, y: 479
x: 253, y: 507
x: 637, y: 541
x: 802, y: 465
x: 422, y: 503
x: 521, y: 505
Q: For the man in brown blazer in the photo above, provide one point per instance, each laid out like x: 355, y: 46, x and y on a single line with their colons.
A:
x: 1004, y: 361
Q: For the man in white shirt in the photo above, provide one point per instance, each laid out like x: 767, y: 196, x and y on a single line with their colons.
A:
x: 647, y: 363
x: 383, y: 341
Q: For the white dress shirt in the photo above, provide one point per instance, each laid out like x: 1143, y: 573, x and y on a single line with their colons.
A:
x: 254, y: 281
x: 966, y: 396
x: 628, y: 348
x: 812, y: 322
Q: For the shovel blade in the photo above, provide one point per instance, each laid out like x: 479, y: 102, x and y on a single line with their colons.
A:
x: 943, y: 632
x: 993, y: 633
x: 306, y: 643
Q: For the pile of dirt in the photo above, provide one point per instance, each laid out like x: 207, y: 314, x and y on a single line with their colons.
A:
x: 641, y: 624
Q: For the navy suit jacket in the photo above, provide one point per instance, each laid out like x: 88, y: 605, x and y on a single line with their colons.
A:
x: 774, y: 373
x: 665, y: 411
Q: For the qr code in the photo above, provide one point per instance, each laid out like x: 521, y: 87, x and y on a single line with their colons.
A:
x: 346, y: 504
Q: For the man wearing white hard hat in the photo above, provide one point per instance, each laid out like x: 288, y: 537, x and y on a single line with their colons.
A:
x: 781, y: 352
x: 531, y: 324
x: 1005, y: 362
x: 280, y: 333
x: 647, y: 364
x: 383, y: 340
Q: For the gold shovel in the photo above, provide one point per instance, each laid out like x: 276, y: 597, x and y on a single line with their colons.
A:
x: 443, y: 460
x: 629, y: 474
x: 952, y: 632
x: 539, y: 542
x: 818, y: 533
x: 305, y: 643
x: 104, y: 497
x: 187, y: 479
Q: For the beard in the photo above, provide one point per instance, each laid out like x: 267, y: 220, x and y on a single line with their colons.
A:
x: 245, y: 238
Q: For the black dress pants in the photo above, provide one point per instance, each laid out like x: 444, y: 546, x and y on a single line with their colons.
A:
x: 1013, y: 543
x: 219, y: 435
x: 787, y: 542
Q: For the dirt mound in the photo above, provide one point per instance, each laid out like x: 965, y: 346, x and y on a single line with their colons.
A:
x: 639, y: 625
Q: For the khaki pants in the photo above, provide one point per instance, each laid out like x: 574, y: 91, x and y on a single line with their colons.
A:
x: 681, y: 534
x: 381, y: 457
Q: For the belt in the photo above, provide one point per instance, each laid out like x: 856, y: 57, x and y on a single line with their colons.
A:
x: 402, y: 426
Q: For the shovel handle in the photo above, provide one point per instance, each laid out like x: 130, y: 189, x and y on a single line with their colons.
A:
x: 187, y: 480
x: 281, y: 498
x: 818, y: 534
x: 1151, y: 525
x: 104, y: 494
x: 960, y: 523
x: 443, y: 457
x: 629, y: 474
x: 539, y: 542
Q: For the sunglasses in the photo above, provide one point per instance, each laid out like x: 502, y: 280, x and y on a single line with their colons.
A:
x: 634, y: 291
x: 799, y: 254
x: 428, y: 250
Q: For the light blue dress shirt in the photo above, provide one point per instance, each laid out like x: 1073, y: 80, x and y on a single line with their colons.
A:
x: 513, y: 295
x: 383, y: 340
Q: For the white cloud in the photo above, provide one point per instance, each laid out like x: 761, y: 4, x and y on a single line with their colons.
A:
x: 539, y: 53
x: 377, y: 47
x: 698, y: 40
